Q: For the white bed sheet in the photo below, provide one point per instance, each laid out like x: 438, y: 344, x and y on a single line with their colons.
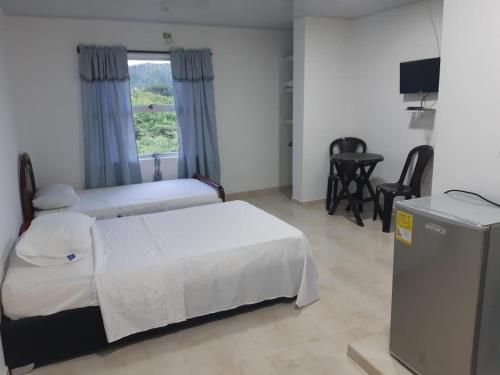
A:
x: 157, y: 269
x: 232, y: 254
x: 140, y: 199
x: 30, y: 290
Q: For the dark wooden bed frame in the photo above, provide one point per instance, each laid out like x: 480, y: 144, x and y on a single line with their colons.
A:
x: 27, y: 189
x: 41, y: 340
x: 213, y: 184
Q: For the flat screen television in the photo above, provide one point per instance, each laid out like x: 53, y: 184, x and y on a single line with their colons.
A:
x: 421, y: 76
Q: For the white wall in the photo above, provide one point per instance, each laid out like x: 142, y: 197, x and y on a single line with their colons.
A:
x: 379, y: 44
x: 468, y: 122
x: 346, y: 83
x: 299, y: 66
x: 247, y: 63
x: 321, y: 106
x: 10, y: 213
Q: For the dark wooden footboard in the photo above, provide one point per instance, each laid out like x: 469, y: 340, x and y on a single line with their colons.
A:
x: 213, y: 184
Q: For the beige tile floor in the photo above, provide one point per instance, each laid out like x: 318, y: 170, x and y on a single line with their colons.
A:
x: 355, y: 278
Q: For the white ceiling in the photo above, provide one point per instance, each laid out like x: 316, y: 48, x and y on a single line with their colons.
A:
x: 276, y: 14
x: 344, y: 8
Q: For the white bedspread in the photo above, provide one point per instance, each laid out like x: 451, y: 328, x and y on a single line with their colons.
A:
x: 29, y: 290
x: 158, y: 269
x: 140, y: 199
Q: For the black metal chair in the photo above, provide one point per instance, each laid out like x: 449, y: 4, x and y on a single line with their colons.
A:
x: 390, y: 191
x: 340, y: 145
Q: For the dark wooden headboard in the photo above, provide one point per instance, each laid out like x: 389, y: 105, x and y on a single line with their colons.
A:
x: 27, y: 189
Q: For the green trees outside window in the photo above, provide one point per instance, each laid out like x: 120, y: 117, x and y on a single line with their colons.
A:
x: 151, y: 91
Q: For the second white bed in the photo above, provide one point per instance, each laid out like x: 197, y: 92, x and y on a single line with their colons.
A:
x: 140, y: 199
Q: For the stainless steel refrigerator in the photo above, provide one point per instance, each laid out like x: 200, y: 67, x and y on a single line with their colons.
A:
x: 446, y: 286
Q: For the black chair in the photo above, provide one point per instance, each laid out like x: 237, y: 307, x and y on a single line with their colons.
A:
x: 341, y: 145
x: 390, y: 191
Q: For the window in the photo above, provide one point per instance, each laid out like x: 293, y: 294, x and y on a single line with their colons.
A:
x: 151, y: 90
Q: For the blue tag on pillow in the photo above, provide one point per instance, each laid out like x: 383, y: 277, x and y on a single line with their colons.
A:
x: 71, y: 257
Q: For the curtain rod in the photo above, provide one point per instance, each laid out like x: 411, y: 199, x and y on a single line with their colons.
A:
x: 141, y: 51
x: 138, y: 51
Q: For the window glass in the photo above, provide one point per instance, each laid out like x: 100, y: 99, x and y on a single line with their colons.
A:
x: 151, y: 90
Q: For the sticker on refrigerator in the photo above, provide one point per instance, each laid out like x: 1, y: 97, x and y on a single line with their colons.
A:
x: 404, y: 227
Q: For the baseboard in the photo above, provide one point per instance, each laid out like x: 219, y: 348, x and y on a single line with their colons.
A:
x: 308, y: 203
x: 253, y: 193
x: 286, y: 189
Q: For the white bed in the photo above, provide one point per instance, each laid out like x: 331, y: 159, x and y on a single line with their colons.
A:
x: 137, y: 199
x: 39, y: 291
x: 223, y: 255
x: 140, y: 199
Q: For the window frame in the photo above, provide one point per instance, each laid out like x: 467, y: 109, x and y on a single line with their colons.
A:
x: 152, y: 108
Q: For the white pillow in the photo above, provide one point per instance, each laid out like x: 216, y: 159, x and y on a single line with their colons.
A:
x: 56, y: 238
x: 55, y: 196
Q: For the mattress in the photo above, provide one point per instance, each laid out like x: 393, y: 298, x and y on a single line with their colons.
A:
x: 230, y: 254
x: 139, y: 199
x: 30, y: 290
x: 187, y: 263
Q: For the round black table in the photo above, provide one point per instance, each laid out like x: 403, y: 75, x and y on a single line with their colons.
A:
x: 360, y: 158
x: 348, y: 164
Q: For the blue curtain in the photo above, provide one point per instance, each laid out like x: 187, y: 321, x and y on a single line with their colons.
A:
x: 193, y: 77
x: 109, y: 136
